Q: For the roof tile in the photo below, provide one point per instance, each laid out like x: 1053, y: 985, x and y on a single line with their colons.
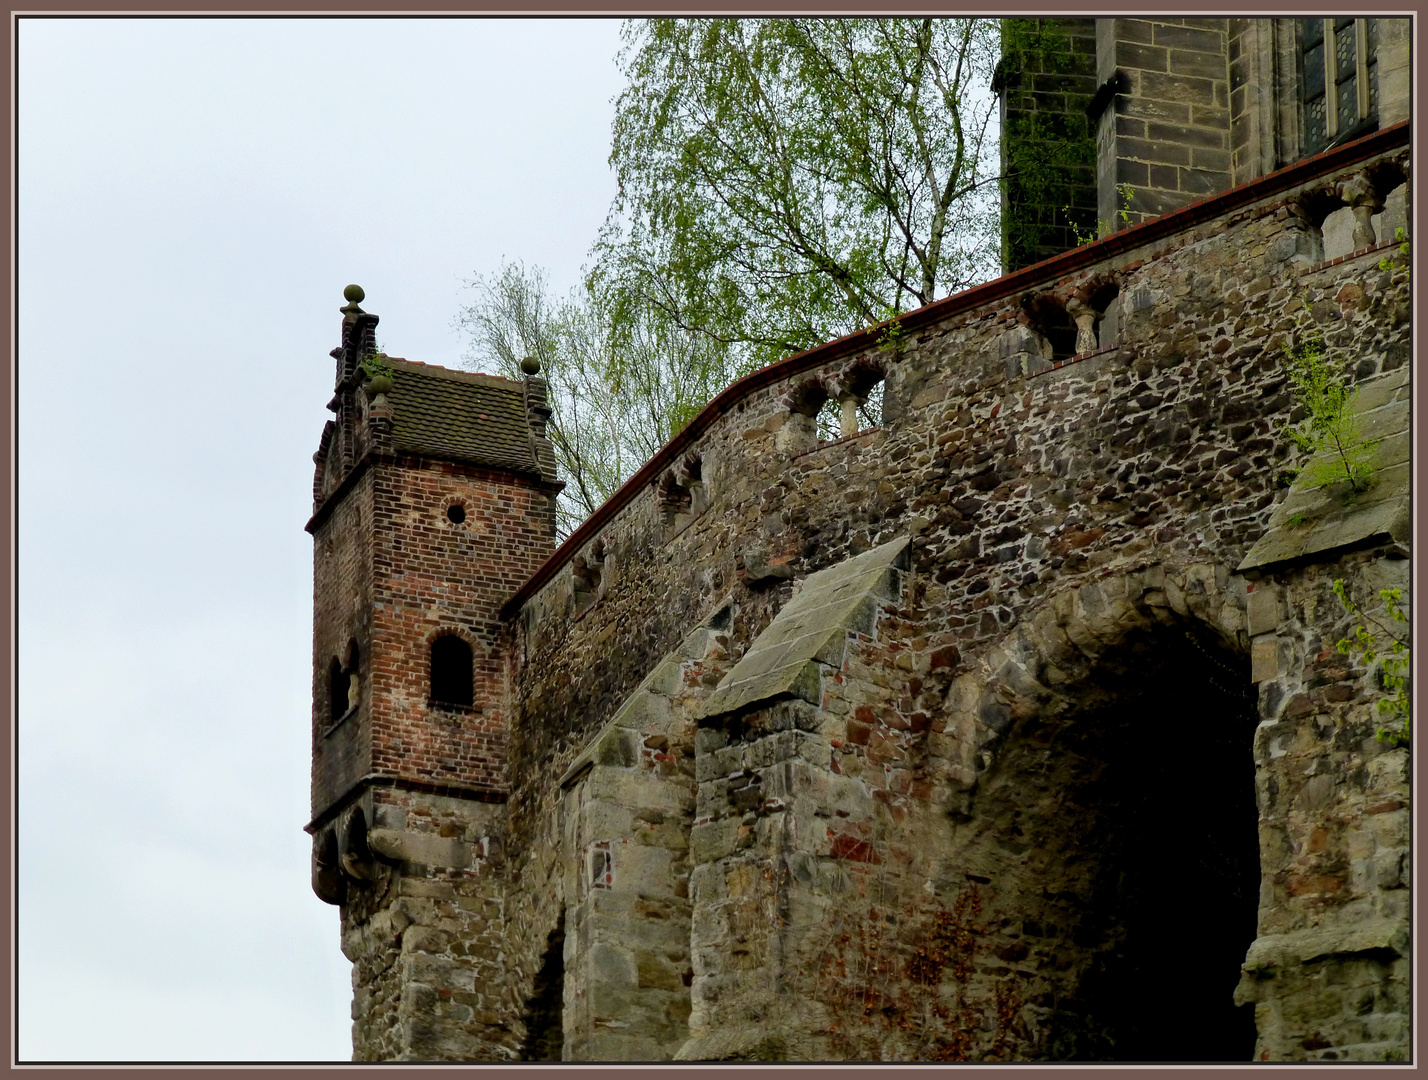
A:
x: 460, y: 414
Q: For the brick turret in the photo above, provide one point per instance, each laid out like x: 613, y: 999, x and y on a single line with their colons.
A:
x: 433, y: 502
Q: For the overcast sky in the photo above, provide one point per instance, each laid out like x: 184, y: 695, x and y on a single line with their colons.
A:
x: 193, y: 197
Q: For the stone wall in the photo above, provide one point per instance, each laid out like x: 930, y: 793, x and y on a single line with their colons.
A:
x: 424, y: 928
x: 1076, y: 515
x: 1328, y: 974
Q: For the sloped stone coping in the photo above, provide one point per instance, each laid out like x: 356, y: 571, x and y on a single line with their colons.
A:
x: 1312, y: 521
x: 616, y: 743
x: 838, y: 441
x: 1381, y: 246
x: 812, y: 630
x: 1057, y: 365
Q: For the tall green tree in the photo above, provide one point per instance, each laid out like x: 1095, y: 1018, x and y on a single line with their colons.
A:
x: 782, y: 182
x: 786, y: 181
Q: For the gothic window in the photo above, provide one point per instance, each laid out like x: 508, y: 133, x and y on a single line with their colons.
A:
x: 1340, y: 80
x: 451, y: 671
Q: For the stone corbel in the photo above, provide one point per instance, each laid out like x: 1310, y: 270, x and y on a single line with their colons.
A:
x: 1084, y: 315
x: 1359, y: 194
x: 848, y: 402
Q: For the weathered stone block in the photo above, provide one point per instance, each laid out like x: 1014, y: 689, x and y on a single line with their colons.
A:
x: 1264, y: 660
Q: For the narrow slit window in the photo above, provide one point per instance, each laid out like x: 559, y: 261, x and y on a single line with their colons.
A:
x: 337, y: 685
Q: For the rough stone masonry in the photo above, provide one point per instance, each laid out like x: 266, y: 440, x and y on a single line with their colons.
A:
x: 1011, y: 728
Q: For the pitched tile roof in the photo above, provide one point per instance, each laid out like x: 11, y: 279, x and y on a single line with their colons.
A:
x: 460, y: 414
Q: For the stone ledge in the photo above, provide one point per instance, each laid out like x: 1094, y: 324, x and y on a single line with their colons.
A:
x: 1304, y: 946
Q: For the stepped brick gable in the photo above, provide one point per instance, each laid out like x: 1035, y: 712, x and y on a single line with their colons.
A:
x: 1011, y: 728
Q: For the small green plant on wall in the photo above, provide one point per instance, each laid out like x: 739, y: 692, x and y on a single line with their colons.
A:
x: 379, y: 373
x: 892, y: 338
x: 1390, y: 651
x: 375, y: 365
x: 1103, y: 227
x: 1329, y: 430
x: 1387, y: 263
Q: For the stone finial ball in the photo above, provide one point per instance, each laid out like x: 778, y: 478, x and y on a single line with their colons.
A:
x: 530, y: 365
x: 354, y: 294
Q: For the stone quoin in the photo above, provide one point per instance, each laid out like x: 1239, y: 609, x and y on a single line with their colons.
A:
x: 1009, y: 729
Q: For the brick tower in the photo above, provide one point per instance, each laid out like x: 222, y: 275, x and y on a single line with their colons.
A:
x: 433, y: 502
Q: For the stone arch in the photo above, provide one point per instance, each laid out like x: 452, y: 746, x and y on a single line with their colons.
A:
x: 682, y: 494
x: 588, y: 576
x: 813, y: 413
x: 1045, y: 314
x: 1054, y: 647
x: 807, y: 396
x: 353, y: 853
x: 1105, y: 803
x: 327, y: 878
x: 675, y: 500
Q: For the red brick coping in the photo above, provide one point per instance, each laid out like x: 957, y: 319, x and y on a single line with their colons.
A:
x: 1056, y: 267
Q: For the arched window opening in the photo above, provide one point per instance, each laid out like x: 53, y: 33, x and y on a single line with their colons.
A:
x: 675, y: 500
x: 682, y: 495
x: 693, y: 479
x: 451, y: 672
x: 860, y: 397
x: 1104, y: 301
x: 1046, y: 315
x: 1316, y: 208
x: 1390, y: 184
x: 811, y: 417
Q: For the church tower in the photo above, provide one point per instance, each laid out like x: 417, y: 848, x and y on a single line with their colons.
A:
x: 433, y: 501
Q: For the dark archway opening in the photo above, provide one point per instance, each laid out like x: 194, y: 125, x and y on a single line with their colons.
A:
x: 1133, y: 824
x: 1178, y: 903
x: 545, y: 1032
